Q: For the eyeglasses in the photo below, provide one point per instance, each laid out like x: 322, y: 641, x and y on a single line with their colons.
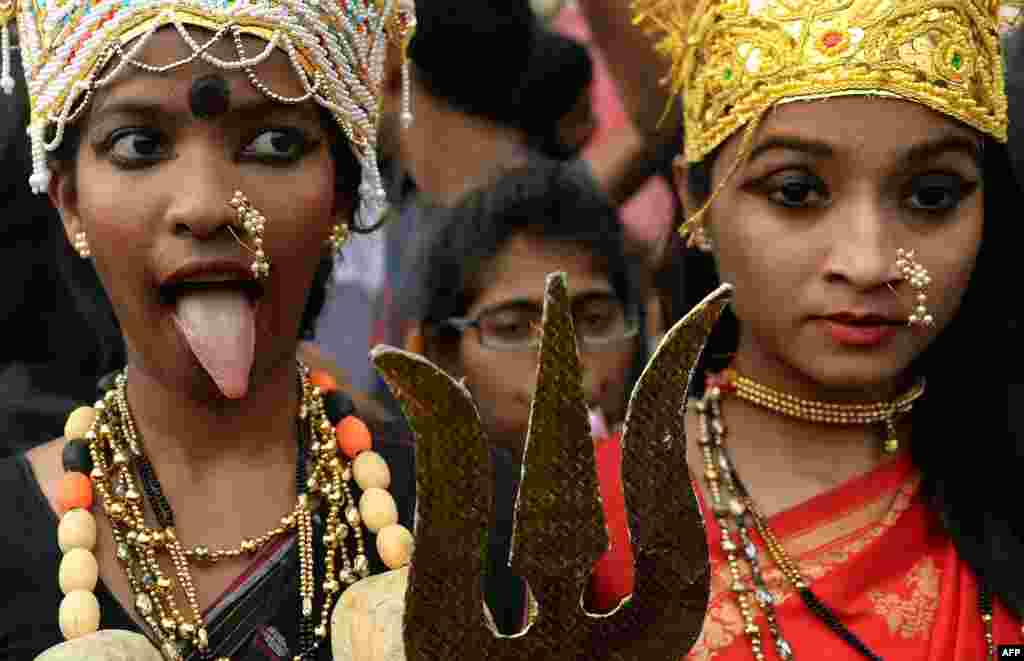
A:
x: 600, y: 320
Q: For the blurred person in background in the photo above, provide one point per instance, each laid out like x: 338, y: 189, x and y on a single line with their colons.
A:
x: 478, y: 117
x: 478, y: 300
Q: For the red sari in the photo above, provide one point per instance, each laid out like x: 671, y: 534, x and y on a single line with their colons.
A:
x: 885, y: 568
x: 894, y: 579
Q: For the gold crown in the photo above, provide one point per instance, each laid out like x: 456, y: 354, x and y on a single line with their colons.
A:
x: 734, y: 59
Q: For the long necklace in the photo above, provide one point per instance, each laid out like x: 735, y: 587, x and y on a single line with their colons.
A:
x: 111, y: 451
x: 730, y: 500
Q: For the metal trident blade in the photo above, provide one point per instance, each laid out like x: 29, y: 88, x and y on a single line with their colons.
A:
x: 559, y: 521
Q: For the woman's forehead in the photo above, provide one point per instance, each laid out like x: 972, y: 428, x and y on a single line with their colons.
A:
x: 875, y: 128
x: 520, y: 267
x: 198, y: 85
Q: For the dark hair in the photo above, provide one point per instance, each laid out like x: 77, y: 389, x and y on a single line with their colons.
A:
x: 103, y: 345
x: 964, y: 473
x: 1014, y: 49
x: 559, y: 74
x: 548, y: 200
x: 473, y: 54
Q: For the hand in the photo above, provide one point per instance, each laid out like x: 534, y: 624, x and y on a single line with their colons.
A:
x: 105, y: 645
x: 559, y: 524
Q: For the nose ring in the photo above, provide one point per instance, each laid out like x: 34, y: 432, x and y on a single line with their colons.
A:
x: 919, y: 279
x: 252, y: 222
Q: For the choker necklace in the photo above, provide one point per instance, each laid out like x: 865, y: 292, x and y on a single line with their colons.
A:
x: 731, y: 503
x: 884, y: 413
x: 105, y: 451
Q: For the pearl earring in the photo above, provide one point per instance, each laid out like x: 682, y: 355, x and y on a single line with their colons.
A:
x: 918, y: 277
x: 253, y: 222
x: 81, y: 244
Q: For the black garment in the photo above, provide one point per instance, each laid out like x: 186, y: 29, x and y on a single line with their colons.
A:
x: 263, y: 617
x: 52, y: 353
x: 35, y: 401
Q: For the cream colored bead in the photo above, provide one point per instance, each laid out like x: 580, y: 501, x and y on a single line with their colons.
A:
x: 79, y: 614
x: 371, y: 471
x: 108, y: 644
x: 377, y: 509
x: 77, y: 530
x: 395, y: 545
x: 79, y: 422
x: 78, y: 571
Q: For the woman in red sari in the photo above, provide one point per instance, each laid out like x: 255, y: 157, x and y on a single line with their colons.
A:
x: 844, y: 170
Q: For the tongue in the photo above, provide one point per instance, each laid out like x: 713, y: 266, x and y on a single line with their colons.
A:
x: 220, y: 327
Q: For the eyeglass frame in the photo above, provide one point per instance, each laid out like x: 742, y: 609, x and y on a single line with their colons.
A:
x: 631, y: 317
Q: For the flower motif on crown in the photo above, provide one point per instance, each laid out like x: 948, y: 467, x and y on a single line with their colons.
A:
x: 833, y: 42
x: 953, y: 62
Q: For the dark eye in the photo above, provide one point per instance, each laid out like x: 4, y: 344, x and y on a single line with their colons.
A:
x: 938, y: 192
x: 279, y: 145
x: 135, y: 146
x: 797, y: 191
x: 514, y: 324
x: 598, y: 315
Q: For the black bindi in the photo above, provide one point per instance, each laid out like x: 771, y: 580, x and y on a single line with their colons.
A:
x: 210, y: 96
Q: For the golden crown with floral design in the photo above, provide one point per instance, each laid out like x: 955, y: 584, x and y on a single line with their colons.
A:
x: 734, y: 59
x: 71, y: 48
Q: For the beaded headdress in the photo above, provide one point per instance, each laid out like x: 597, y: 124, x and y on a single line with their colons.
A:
x: 732, y: 60
x: 71, y: 48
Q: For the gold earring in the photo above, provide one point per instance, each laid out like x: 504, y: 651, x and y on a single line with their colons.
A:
x: 340, y: 235
x: 253, y: 222
x: 918, y: 277
x: 81, y: 244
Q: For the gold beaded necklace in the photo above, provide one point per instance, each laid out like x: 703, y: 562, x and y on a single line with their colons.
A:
x: 886, y: 413
x: 111, y: 452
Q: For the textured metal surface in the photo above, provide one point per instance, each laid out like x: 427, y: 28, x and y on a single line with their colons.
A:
x: 559, y: 522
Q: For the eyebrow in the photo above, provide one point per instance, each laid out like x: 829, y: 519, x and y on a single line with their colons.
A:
x: 915, y: 155
x: 952, y: 143
x: 247, y: 108
x: 815, y: 148
x: 525, y: 300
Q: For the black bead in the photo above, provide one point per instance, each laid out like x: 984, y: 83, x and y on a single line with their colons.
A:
x: 825, y: 614
x: 338, y: 406
x: 76, y: 456
x: 155, y: 495
x: 300, y: 458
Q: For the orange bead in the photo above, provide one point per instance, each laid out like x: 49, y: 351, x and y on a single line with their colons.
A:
x: 353, y: 436
x: 323, y: 380
x: 75, y: 491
